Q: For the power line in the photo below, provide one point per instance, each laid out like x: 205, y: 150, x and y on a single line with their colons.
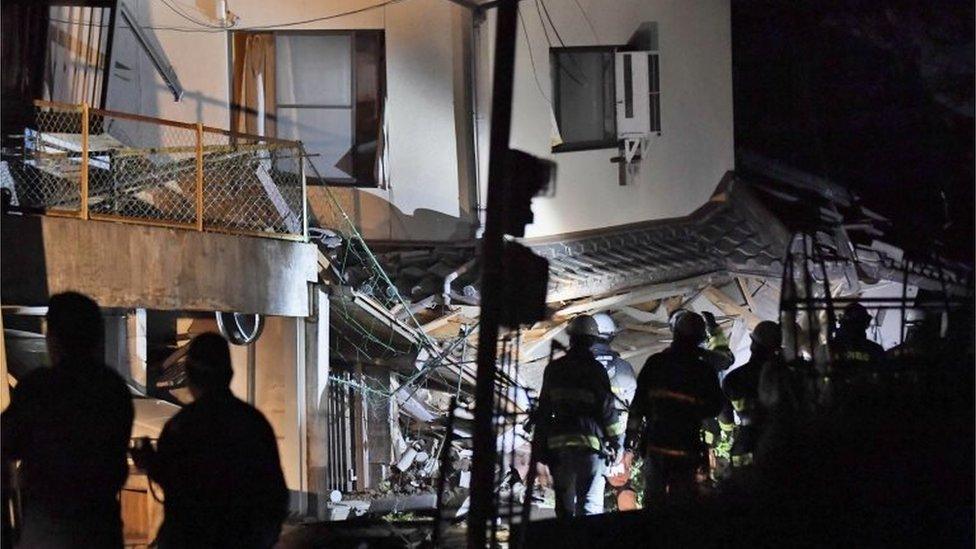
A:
x: 327, y: 17
x: 535, y: 73
x: 548, y: 18
x: 559, y: 65
x: 543, y: 23
x: 218, y: 29
x: 183, y: 15
x: 588, y: 22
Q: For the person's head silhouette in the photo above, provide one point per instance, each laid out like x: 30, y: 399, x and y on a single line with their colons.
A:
x: 75, y: 330
x: 689, y: 329
x: 208, y: 367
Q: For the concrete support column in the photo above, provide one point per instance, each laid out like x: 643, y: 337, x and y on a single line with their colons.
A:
x: 279, y: 388
x: 135, y: 337
x: 316, y: 398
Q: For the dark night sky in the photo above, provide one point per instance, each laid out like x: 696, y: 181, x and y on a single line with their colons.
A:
x: 874, y: 95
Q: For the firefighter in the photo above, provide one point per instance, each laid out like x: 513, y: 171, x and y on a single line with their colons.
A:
x: 741, y: 386
x: 623, y: 380
x: 717, y: 431
x: 676, y: 390
x: 921, y: 346
x: 578, y: 428
x: 851, y: 347
x: 623, y: 383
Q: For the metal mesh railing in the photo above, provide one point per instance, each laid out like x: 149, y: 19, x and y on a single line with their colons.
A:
x: 100, y: 164
x: 142, y: 170
x: 47, y: 171
x: 252, y: 185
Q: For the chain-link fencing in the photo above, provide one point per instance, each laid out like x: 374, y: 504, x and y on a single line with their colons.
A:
x: 45, y: 172
x: 116, y: 166
x: 142, y: 170
x: 252, y: 184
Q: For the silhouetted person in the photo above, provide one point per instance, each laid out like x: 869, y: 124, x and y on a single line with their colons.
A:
x: 70, y: 426
x: 741, y: 385
x: 577, y: 420
x: 217, y: 462
x: 922, y: 346
x: 676, y: 390
x: 851, y: 347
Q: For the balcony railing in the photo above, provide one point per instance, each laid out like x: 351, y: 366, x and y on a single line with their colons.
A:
x: 96, y: 164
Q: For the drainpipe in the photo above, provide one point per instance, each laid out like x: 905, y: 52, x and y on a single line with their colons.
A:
x: 477, y: 19
x: 451, y: 277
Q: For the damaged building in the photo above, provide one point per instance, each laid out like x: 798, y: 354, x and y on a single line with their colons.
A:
x: 311, y: 183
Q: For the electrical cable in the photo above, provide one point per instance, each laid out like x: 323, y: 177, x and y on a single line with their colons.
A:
x: 548, y: 18
x: 183, y: 15
x: 194, y: 8
x: 535, y: 73
x: 327, y: 17
x: 543, y: 23
x: 589, y: 23
x: 271, y: 26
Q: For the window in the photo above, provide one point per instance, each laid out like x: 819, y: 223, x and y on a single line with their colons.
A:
x: 584, y: 97
x: 325, y: 89
x: 590, y: 84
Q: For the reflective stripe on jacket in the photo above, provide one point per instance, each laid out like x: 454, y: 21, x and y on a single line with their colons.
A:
x: 576, y: 404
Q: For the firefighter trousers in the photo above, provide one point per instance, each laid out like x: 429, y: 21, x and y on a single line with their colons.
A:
x: 669, y: 479
x: 577, y: 477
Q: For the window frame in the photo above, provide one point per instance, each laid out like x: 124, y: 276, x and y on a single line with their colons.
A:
x: 593, y: 144
x: 310, y: 179
x: 353, y: 83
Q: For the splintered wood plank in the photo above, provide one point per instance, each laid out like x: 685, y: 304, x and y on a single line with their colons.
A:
x: 673, y: 303
x: 746, y: 293
x: 638, y: 314
x: 324, y: 262
x: 730, y: 307
x: 440, y: 322
x: 648, y: 306
x: 649, y: 328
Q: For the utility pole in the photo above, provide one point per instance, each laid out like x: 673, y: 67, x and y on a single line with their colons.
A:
x: 492, y: 249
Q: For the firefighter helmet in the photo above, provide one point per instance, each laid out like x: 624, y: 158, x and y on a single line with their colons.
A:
x: 599, y: 326
x: 768, y: 334
x: 689, y: 327
x: 856, y: 314
x: 674, y: 316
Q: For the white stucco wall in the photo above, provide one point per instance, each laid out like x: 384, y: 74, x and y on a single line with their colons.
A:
x: 427, y: 196
x: 419, y: 200
x: 689, y: 158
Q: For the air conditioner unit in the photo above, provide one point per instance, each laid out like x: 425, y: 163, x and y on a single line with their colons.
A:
x: 638, y: 99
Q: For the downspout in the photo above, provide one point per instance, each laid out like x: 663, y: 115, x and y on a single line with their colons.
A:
x: 451, y: 277
x: 477, y: 18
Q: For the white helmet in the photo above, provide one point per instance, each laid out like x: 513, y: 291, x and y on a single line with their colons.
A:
x: 600, y: 326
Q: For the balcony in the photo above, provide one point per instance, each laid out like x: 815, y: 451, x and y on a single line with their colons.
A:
x: 141, y: 212
x: 104, y: 165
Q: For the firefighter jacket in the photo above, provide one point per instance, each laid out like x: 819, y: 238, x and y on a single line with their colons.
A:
x: 623, y: 380
x: 856, y: 351
x: 576, y: 405
x: 676, y: 390
x: 741, y: 386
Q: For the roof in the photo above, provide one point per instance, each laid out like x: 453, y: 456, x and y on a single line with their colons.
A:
x: 735, y: 232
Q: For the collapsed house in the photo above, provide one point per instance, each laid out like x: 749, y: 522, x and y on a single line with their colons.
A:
x: 727, y: 257
x: 345, y: 267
